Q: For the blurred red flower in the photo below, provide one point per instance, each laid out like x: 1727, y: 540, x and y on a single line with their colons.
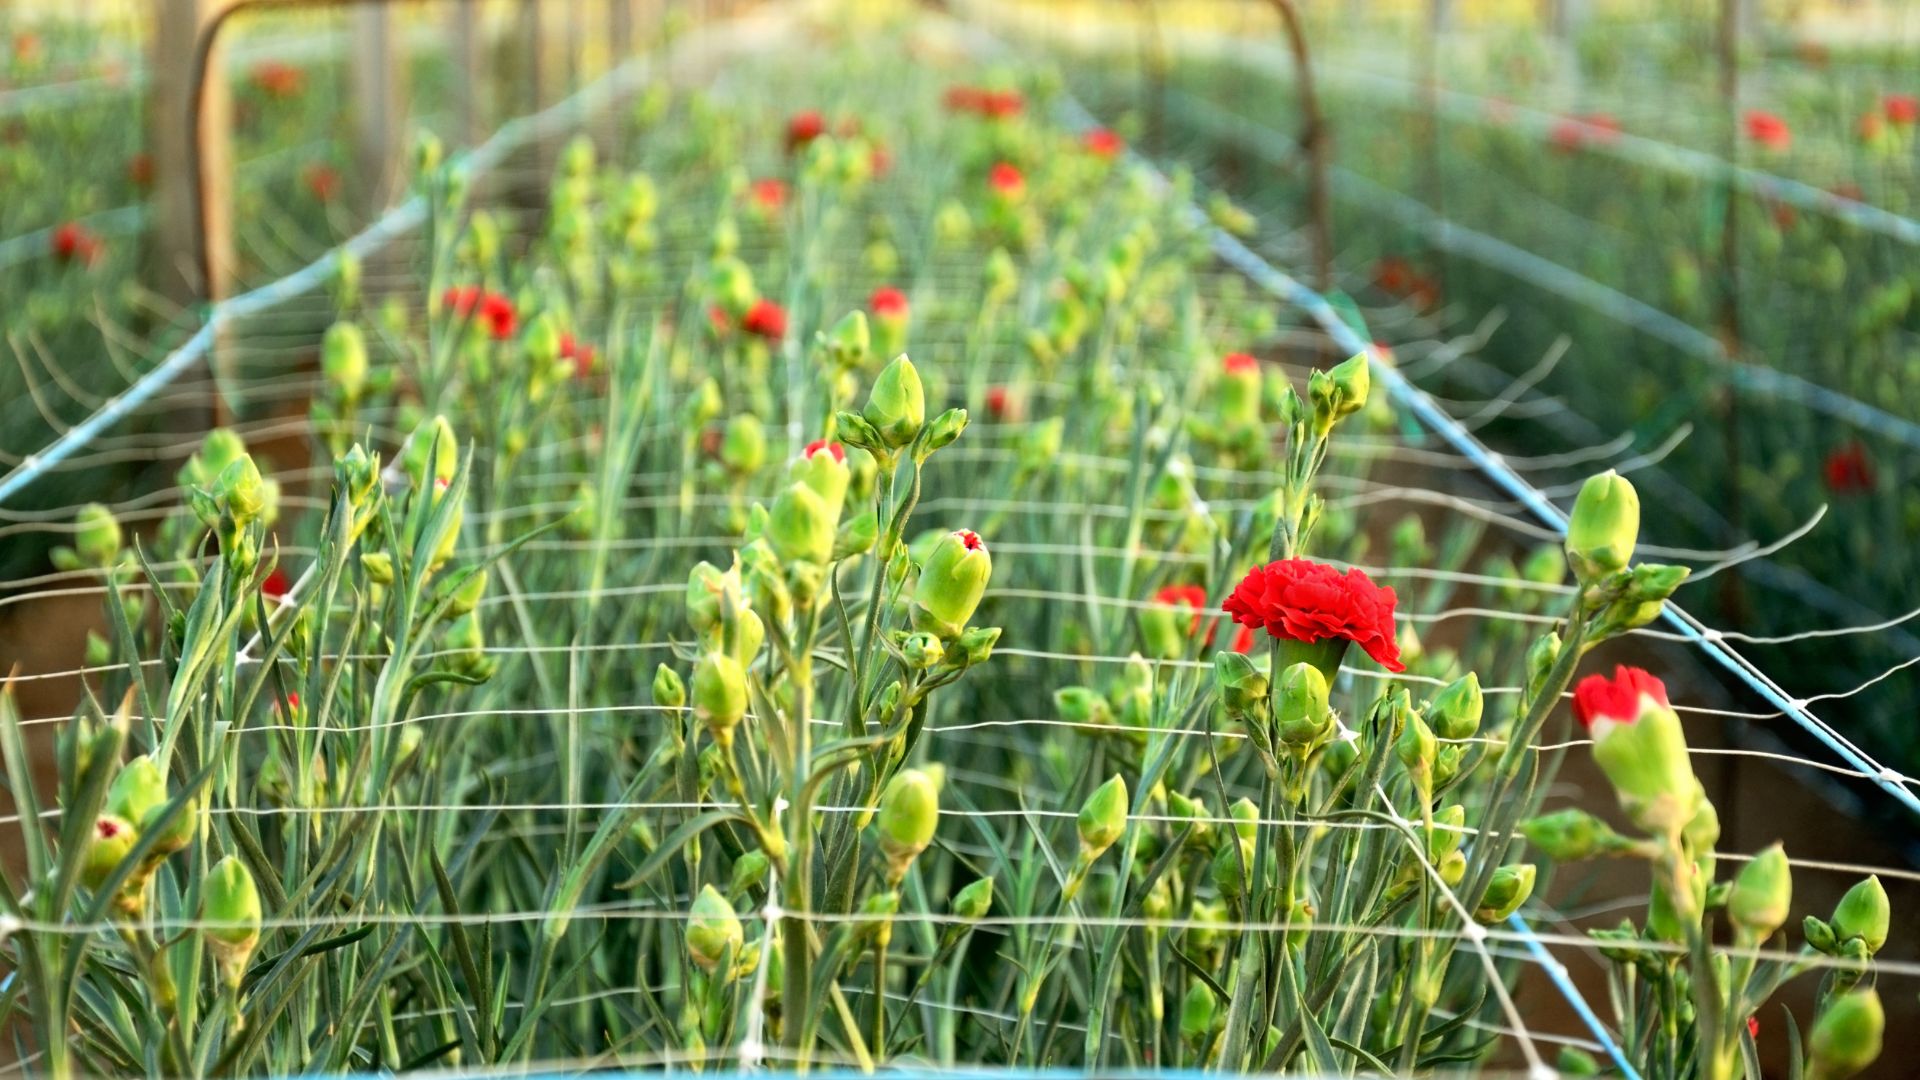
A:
x: 1768, y: 130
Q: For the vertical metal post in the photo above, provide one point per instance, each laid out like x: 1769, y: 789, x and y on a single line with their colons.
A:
x: 377, y: 98
x: 1732, y: 20
x: 466, y: 19
x: 1313, y: 141
x: 189, y: 258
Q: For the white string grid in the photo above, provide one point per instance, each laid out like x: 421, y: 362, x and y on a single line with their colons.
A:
x: 1448, y: 474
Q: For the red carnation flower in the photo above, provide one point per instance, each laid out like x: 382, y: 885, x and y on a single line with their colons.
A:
x: 1006, y: 179
x: 961, y: 99
x: 140, y: 170
x: 1103, y: 143
x: 970, y: 539
x: 816, y: 446
x: 1195, y: 597
x: 1849, y: 470
x: 879, y: 159
x: 804, y: 128
x: 717, y: 318
x: 322, y: 181
x: 1616, y: 700
x: 277, y: 79
x: 461, y: 299
x: 276, y: 585
x: 999, y: 402
x: 72, y: 243
x: 1394, y: 275
x: 1240, y: 363
x: 107, y: 827
x: 498, y: 311
x: 1306, y: 601
x: 1768, y: 130
x: 1902, y: 109
x: 888, y: 302
x: 1001, y: 104
x: 765, y: 319
x: 581, y: 353
x: 770, y: 194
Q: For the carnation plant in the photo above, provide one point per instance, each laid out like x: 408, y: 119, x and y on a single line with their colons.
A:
x: 698, y: 682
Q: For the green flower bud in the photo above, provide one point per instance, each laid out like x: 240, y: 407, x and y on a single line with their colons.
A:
x: 952, y: 580
x: 1573, y: 1061
x: 1603, y: 528
x: 1863, y: 913
x: 799, y: 526
x: 878, y: 911
x: 973, y: 902
x: 1511, y: 886
x: 139, y: 795
x: 749, y: 870
x: 1415, y: 748
x: 1571, y: 835
x: 712, y: 596
x: 922, y: 650
x: 1191, y: 810
x: 1455, y: 712
x: 1242, y: 688
x: 823, y: 467
x: 850, y: 341
x: 108, y: 846
x: 378, y: 566
x: 343, y: 359
x: 1352, y: 378
x: 1449, y: 831
x: 1541, y: 656
x: 1302, y: 716
x: 977, y: 642
x: 945, y: 428
x: 1082, y: 705
x: 242, y: 489
x: 1246, y: 819
x: 230, y: 906
x: 743, y: 448
x: 730, y: 284
x: 1762, y: 895
x: 1237, y: 393
x: 96, y: 536
x: 703, y: 406
x: 897, y: 406
x: 467, y: 596
x: 713, y: 930
x: 1846, y: 1037
x: 1000, y: 276
x: 909, y: 813
x: 719, y: 694
x: 668, y: 691
x: 432, y: 442
x: 1103, y: 818
x: 1197, y: 1011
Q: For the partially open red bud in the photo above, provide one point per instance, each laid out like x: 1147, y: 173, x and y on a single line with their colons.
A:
x: 1571, y: 835
x: 1238, y: 390
x: 952, y: 580
x: 139, y: 795
x: 108, y: 846
x: 1639, y: 744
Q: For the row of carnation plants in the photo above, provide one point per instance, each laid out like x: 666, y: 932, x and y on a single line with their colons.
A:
x: 1283, y: 858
